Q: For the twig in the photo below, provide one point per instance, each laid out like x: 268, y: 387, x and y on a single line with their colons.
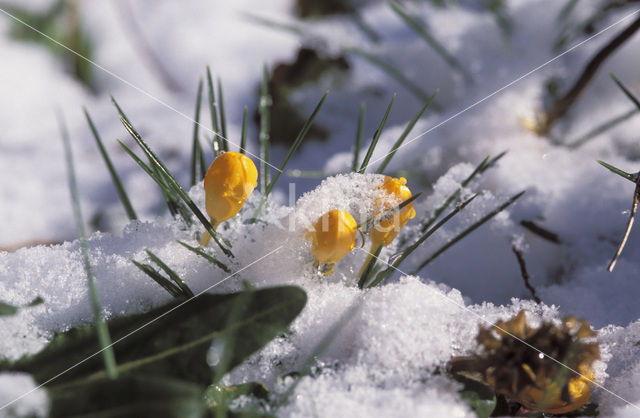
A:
x: 524, y: 272
x: 632, y: 216
x: 540, y: 231
x: 562, y: 105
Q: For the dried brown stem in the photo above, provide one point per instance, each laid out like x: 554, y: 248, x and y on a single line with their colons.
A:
x: 627, y: 231
x: 563, y: 104
x: 540, y: 231
x: 524, y: 272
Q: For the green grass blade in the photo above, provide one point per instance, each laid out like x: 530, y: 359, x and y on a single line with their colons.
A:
x: 497, y: 8
x: 265, y: 121
x: 364, y: 27
x: 296, y: 144
x: 203, y: 254
x: 196, y: 150
x: 122, y: 194
x: 467, y: 231
x: 393, y: 72
x: 419, y: 28
x: 172, y: 204
x: 172, y: 274
x: 223, y: 117
x: 243, y: 135
x: 356, y: 150
x: 202, y: 164
x: 372, y: 223
x: 172, y: 182
x: 566, y: 10
x: 274, y: 24
x: 404, y: 134
x: 364, y: 277
x: 308, y: 174
x: 166, y: 284
x: 487, y: 163
x: 623, y: 174
x: 631, y: 97
x: 602, y: 128
x: 376, y: 137
x: 101, y: 326
x: 213, y: 110
x: 142, y: 164
x: 410, y: 249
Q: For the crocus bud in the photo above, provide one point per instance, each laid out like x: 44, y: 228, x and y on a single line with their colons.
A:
x: 332, y: 236
x: 229, y: 181
x: 385, y: 231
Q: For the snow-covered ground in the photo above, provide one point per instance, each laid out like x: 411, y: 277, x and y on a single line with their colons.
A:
x: 380, y: 363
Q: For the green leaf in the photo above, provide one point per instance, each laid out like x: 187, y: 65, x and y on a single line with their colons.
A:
x: 162, y: 174
x: 484, y: 165
x: 122, y: 193
x: 467, y: 231
x: 420, y: 29
x: 296, y: 143
x: 172, y: 274
x: 173, y: 339
x: 131, y: 396
x: 210, y: 258
x: 406, y: 252
x: 160, y: 279
x: 197, y: 156
x: 602, y: 128
x: 626, y: 91
x: 356, y: 149
x: 393, y: 72
x: 243, y: 134
x: 99, y: 322
x: 223, y: 117
x: 404, y: 134
x: 480, y: 397
x: 7, y: 310
x: 376, y: 137
x: 631, y: 177
x: 265, y: 129
x: 218, y: 397
x: 367, y: 270
x: 213, y: 110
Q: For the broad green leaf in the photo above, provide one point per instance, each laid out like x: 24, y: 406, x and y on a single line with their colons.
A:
x: 131, y: 396
x: 219, y: 396
x: 174, y: 339
x: 480, y: 397
x: 7, y: 310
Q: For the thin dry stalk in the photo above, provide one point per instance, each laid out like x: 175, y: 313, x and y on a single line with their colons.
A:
x: 563, y: 104
x: 524, y: 272
x: 627, y: 232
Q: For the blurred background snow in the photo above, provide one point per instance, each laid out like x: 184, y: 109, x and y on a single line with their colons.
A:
x: 153, y: 53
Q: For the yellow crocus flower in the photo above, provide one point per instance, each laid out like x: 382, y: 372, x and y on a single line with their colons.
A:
x: 332, y: 237
x: 386, y: 231
x: 228, y: 183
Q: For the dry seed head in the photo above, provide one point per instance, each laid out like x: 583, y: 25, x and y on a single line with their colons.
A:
x: 529, y: 377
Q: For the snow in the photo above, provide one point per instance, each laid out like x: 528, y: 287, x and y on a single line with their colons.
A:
x: 15, y: 385
x: 392, y: 338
